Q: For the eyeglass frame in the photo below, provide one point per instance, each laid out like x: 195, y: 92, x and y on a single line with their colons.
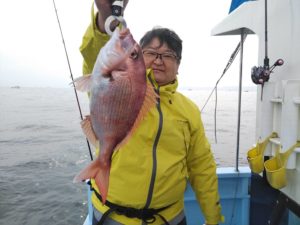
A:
x: 170, y: 56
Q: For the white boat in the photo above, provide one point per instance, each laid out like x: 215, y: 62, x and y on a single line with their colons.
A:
x: 248, y: 197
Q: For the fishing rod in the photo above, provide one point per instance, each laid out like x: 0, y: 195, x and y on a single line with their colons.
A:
x: 230, y: 61
x: 215, y: 89
x: 69, y: 65
x: 261, y: 74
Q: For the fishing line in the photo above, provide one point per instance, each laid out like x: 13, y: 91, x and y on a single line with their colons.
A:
x: 69, y: 65
x: 215, y: 89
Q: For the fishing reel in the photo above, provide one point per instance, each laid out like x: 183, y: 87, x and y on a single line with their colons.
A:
x: 261, y: 74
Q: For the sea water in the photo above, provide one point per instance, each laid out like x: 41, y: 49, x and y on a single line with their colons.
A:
x: 42, y: 148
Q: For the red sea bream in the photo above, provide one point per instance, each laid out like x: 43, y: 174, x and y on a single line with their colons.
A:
x: 119, y: 98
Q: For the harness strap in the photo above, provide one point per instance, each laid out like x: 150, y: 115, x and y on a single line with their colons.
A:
x: 146, y: 215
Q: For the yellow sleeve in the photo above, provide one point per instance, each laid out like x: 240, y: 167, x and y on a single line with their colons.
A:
x: 202, y: 175
x: 92, y: 41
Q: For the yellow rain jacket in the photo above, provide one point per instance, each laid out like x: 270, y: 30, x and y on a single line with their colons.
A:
x: 168, y: 148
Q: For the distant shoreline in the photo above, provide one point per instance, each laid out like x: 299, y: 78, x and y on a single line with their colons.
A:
x: 221, y: 88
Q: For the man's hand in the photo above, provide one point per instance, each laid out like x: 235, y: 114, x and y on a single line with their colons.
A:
x: 104, y: 8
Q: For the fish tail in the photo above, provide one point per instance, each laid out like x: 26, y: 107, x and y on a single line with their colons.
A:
x: 102, y: 181
x: 98, y: 172
x: 83, y: 83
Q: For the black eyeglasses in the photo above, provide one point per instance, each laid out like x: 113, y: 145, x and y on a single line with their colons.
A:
x: 166, y: 56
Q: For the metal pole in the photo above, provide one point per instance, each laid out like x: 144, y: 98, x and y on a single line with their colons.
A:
x: 239, y: 102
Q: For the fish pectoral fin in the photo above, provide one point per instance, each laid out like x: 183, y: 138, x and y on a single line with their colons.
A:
x: 83, y: 83
x: 86, y: 126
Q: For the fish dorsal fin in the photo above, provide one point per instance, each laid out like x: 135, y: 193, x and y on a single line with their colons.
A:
x: 150, y: 101
x: 83, y: 83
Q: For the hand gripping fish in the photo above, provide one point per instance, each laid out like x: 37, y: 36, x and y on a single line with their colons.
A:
x: 120, y: 96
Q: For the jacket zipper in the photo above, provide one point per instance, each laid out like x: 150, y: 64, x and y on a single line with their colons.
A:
x: 154, y: 150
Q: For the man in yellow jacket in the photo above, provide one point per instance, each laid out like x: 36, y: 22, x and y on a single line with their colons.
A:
x: 169, y: 146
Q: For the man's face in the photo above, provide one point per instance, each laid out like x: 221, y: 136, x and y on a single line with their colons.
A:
x: 162, y: 60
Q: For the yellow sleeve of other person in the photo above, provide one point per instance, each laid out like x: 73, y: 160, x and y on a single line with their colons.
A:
x: 153, y: 167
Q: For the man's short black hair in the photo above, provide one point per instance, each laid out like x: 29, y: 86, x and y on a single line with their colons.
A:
x: 164, y: 35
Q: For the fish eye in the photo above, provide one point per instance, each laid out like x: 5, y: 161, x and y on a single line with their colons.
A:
x: 134, y: 54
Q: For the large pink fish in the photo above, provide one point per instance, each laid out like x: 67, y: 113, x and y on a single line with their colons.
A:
x: 119, y: 98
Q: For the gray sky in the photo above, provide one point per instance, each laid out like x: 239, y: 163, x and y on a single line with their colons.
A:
x: 32, y: 53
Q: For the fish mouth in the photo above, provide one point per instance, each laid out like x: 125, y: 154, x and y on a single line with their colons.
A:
x: 124, y: 32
